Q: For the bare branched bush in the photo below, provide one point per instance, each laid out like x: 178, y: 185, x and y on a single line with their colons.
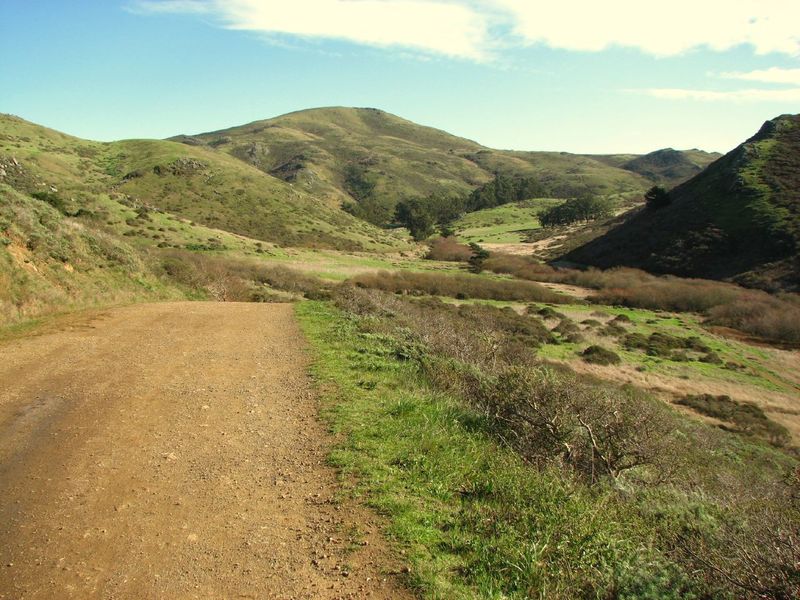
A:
x: 754, y: 545
x: 599, y: 431
x: 227, y: 280
x: 448, y: 249
x: 458, y: 286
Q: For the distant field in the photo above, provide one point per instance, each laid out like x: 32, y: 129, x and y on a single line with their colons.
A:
x: 505, y: 224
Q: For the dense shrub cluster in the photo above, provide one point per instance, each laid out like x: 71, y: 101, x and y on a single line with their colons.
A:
x: 745, y: 417
x: 460, y: 286
x: 597, y: 355
x: 235, y: 280
x: 772, y: 317
x: 670, y: 347
x: 449, y: 249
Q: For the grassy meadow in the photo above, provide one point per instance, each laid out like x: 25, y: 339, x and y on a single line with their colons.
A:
x: 507, y: 224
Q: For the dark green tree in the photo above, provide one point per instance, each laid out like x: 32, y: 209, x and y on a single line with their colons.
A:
x: 479, y: 255
x: 415, y: 214
x: 657, y: 197
x: 583, y: 208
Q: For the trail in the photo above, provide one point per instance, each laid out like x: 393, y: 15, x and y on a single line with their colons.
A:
x: 173, y: 451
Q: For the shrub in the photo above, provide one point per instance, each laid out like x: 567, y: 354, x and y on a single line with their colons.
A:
x: 670, y: 347
x: 597, y: 355
x: 470, y: 286
x: 566, y: 327
x: 612, y: 329
x: 547, y: 312
x: 599, y: 431
x: 484, y: 336
x: 776, y: 319
x: 476, y: 260
x: 448, y: 249
x: 725, y: 510
x: 657, y: 197
x: 746, y: 417
x: 227, y: 279
x: 773, y: 318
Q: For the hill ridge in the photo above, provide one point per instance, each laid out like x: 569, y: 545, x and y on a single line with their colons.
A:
x: 739, y: 218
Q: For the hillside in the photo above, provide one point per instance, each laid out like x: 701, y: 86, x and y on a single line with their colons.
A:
x: 739, y: 218
x: 370, y: 159
x: 341, y: 154
x: 82, y: 221
x: 206, y: 187
x: 668, y: 167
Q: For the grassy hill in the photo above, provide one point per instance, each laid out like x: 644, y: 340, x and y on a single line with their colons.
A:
x: 49, y: 261
x: 341, y: 154
x: 739, y: 218
x: 668, y: 167
x: 565, y: 175
x: 83, y: 221
x: 371, y: 159
x: 206, y: 187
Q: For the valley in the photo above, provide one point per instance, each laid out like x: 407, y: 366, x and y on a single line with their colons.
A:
x: 500, y: 369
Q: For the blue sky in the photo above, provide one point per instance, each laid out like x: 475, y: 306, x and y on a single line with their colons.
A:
x: 579, y: 75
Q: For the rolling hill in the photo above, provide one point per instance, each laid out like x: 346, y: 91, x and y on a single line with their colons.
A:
x: 83, y: 220
x: 738, y: 219
x: 209, y: 188
x: 668, y: 167
x: 368, y: 159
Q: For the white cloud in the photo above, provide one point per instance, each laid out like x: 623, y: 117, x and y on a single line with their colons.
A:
x: 771, y: 75
x: 435, y: 26
x: 659, y: 28
x: 749, y: 95
x: 472, y: 28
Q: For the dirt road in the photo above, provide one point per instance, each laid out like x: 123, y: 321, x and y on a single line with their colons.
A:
x: 173, y: 451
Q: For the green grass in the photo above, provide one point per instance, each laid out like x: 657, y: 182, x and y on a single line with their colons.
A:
x: 472, y: 519
x: 53, y: 263
x: 758, y: 370
x: 503, y: 224
x: 758, y: 367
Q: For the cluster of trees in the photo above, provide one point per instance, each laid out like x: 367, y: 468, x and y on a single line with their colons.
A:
x: 373, y: 208
x: 583, y: 208
x: 418, y: 216
x: 504, y: 190
x: 422, y: 216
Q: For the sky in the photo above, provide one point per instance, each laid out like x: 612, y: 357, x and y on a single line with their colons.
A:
x: 591, y: 76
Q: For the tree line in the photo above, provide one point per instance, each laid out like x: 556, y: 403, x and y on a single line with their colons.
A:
x: 423, y: 215
x: 583, y: 208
